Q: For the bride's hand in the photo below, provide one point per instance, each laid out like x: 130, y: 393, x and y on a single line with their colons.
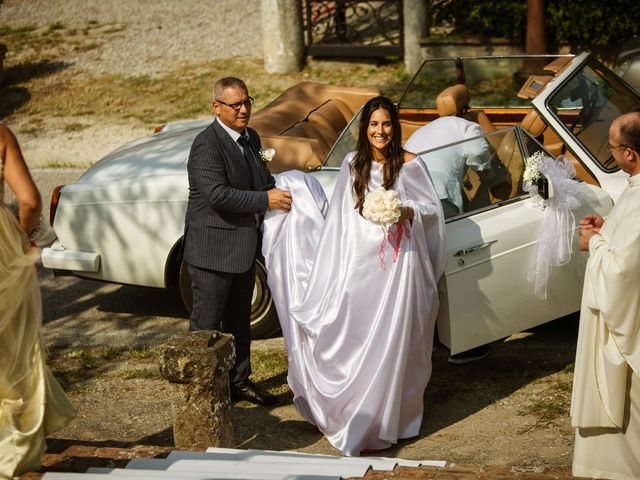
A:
x: 406, y: 213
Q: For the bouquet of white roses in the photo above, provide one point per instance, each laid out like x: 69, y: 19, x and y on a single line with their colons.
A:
x: 382, y: 206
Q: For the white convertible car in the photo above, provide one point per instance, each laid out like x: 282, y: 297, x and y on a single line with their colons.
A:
x: 122, y: 221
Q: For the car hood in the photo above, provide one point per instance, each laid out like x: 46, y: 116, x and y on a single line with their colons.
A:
x: 161, y: 154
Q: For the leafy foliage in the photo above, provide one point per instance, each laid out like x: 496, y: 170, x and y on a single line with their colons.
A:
x: 482, y: 18
x: 593, y: 24
x: 586, y: 25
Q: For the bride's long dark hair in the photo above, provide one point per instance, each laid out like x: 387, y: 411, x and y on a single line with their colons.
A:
x: 361, y: 164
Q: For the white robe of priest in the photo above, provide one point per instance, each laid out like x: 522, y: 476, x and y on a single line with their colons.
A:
x: 358, y: 336
x: 605, y: 404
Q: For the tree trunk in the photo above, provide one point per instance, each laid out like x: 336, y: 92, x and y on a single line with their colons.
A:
x: 536, y: 37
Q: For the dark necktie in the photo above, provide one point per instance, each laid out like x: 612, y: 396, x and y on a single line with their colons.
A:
x: 258, y: 179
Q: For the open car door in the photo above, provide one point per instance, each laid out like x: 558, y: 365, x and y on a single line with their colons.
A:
x: 485, y: 294
x: 579, y: 105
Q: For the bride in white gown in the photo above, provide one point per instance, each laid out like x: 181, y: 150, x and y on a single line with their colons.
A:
x: 357, y: 312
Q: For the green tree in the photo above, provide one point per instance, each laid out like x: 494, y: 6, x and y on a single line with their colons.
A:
x: 593, y: 25
x: 586, y: 25
x: 482, y: 19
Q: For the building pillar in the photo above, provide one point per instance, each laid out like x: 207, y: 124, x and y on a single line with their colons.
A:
x: 415, y: 23
x: 282, y: 40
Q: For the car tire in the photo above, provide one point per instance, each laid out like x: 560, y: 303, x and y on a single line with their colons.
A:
x: 264, y: 319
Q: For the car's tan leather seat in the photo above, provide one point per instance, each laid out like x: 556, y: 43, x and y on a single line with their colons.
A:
x: 533, y: 123
x: 305, y: 120
x: 510, y: 155
x: 330, y: 118
x: 454, y: 100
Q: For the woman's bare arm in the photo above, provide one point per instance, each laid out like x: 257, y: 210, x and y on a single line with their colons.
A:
x: 17, y: 176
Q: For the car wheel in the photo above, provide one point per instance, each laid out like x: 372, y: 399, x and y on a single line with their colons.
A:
x: 264, y: 319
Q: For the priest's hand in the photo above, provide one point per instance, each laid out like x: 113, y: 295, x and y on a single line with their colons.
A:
x: 589, y: 226
x: 586, y: 232
x: 593, y: 220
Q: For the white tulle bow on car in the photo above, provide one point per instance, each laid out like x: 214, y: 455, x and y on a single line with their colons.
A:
x: 555, y: 238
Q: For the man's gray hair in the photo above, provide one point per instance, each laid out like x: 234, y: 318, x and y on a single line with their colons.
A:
x: 225, y: 83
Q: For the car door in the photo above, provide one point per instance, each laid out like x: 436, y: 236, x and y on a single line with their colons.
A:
x: 579, y: 104
x: 485, y: 293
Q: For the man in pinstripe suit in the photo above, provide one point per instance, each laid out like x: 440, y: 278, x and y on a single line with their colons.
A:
x: 229, y: 190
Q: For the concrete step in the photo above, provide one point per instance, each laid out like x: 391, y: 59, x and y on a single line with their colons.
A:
x: 196, y: 463
x: 377, y: 463
x: 159, y: 474
x: 266, y: 456
x: 237, y: 464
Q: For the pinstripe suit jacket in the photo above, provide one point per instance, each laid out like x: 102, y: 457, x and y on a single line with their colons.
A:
x: 220, y: 224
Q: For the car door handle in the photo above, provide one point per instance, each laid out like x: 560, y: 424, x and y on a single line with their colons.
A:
x: 464, y: 251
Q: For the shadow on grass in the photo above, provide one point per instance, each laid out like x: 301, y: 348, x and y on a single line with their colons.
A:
x: 12, y: 95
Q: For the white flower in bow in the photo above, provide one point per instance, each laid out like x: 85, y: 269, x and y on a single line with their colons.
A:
x: 268, y: 154
x: 532, y: 166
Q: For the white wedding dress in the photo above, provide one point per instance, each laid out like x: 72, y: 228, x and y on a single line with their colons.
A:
x: 359, y: 337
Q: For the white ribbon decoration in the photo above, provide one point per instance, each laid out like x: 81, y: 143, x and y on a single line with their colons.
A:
x: 555, y: 239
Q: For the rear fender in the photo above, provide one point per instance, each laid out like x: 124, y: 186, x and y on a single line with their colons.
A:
x: 172, y: 265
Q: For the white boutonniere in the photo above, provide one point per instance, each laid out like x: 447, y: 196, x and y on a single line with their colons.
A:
x: 267, y: 155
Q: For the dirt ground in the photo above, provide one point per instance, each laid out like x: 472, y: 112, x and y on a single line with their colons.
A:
x: 510, y: 408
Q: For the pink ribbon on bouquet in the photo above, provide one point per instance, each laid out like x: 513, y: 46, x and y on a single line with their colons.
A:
x: 394, y: 236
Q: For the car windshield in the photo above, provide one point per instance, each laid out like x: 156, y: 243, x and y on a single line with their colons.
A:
x: 492, y: 81
x: 346, y: 143
x: 587, y: 104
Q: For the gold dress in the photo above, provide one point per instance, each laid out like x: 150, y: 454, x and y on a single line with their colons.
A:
x: 32, y: 403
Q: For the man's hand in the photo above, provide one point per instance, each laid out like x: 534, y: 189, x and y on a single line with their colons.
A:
x: 280, y: 199
x: 593, y: 221
x: 585, y: 235
x: 589, y: 226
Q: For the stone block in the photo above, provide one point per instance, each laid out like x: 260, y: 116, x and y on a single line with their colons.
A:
x: 198, y: 364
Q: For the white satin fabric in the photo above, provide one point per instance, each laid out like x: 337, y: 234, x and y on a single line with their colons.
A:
x: 555, y: 239
x: 359, y: 338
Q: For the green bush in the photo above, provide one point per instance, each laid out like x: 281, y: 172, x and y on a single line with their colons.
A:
x: 593, y: 24
x: 586, y: 25
x: 482, y: 19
